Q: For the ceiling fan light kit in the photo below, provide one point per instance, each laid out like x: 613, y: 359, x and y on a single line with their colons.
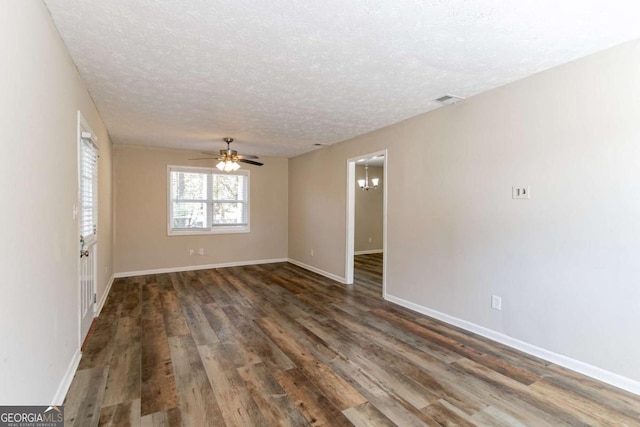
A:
x: 228, y: 165
x: 229, y: 159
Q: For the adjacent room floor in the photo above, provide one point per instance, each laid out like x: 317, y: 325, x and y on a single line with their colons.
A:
x: 275, y: 345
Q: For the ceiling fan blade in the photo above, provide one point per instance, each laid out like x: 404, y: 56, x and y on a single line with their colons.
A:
x: 208, y: 153
x: 247, y: 156
x: 204, y: 158
x: 251, y: 162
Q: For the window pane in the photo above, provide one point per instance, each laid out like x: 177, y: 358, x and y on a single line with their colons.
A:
x: 228, y: 213
x: 242, y: 188
x: 226, y: 187
x: 88, y: 188
x: 206, y: 201
x: 189, y: 215
x: 188, y: 185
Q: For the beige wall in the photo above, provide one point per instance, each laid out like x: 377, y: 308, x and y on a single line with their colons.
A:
x: 369, y: 214
x: 39, y: 310
x: 564, y: 262
x: 142, y: 242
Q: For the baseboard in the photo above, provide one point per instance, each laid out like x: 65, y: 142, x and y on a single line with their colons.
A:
x: 317, y: 270
x: 196, y: 267
x: 103, y: 298
x: 559, y: 359
x: 63, y: 388
x: 369, y: 251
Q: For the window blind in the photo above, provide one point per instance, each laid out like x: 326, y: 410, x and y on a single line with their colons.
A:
x: 88, y: 189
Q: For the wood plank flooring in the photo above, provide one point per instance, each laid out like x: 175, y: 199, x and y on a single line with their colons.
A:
x: 276, y: 345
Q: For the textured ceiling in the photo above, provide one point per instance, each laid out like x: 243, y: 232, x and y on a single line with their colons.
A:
x: 282, y: 75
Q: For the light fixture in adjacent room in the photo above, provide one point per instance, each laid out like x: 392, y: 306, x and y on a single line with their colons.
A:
x: 364, y: 183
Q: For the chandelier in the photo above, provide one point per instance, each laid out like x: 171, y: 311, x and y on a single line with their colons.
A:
x: 364, y: 183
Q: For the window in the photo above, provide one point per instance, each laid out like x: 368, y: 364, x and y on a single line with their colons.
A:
x: 206, y: 201
x: 88, y: 188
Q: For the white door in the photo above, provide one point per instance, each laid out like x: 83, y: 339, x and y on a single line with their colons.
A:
x: 88, y: 220
x: 87, y: 286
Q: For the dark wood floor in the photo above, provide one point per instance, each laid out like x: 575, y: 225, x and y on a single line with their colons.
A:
x: 277, y: 345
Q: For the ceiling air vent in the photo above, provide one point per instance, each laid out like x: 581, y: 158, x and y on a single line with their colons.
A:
x: 449, y: 99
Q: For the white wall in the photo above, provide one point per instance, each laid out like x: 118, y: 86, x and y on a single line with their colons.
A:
x: 41, y: 94
x: 369, y: 212
x: 565, y: 262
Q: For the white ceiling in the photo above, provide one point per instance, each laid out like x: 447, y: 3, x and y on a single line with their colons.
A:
x: 282, y: 75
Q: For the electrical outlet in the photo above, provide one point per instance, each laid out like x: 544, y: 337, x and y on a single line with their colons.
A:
x: 520, y: 192
x: 201, y: 251
x: 191, y: 252
x: 370, y: 239
x: 311, y: 252
x: 496, y: 302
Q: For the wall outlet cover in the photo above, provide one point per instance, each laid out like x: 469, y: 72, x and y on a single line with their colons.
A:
x: 496, y: 302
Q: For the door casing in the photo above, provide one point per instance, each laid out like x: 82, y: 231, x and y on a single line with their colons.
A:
x: 351, y: 213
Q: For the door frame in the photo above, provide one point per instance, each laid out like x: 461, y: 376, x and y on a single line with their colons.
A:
x: 351, y: 214
x: 83, y: 127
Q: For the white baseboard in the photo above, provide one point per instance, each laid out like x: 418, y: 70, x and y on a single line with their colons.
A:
x: 196, y: 267
x: 369, y: 251
x: 104, y: 296
x: 317, y: 270
x: 63, y: 388
x: 559, y: 359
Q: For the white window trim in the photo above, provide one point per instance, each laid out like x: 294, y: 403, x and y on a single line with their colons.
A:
x: 234, y: 229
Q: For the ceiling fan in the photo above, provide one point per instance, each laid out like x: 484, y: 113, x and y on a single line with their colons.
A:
x: 229, y: 158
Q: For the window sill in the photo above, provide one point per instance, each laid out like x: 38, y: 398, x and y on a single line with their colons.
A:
x: 226, y: 230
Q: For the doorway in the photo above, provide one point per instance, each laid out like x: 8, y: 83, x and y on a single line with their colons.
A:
x: 353, y: 186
